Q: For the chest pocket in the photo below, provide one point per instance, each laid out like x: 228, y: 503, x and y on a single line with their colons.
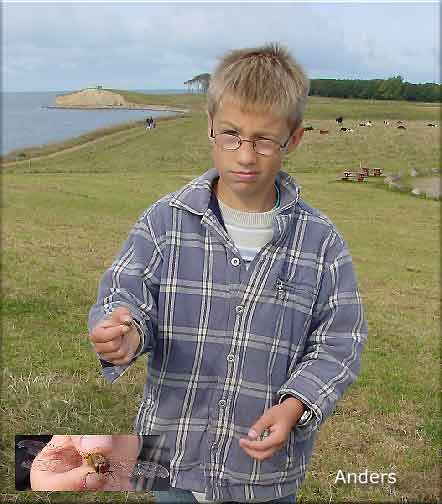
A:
x: 296, y: 302
x: 296, y: 296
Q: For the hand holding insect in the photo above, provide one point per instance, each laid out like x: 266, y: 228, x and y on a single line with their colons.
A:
x: 116, y: 338
x: 83, y: 462
x: 60, y: 465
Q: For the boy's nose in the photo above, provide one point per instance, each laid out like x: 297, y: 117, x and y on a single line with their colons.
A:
x: 246, y: 153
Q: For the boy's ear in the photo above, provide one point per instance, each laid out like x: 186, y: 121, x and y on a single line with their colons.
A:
x: 295, y: 139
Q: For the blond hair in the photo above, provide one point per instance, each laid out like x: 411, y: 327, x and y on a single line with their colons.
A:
x: 264, y: 78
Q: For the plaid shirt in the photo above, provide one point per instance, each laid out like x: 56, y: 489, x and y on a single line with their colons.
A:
x: 225, y: 343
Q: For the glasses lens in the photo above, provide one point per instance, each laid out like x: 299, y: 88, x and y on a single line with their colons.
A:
x: 266, y: 147
x: 227, y: 141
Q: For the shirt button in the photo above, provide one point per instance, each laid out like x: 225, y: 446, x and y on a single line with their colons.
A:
x: 235, y: 261
x: 222, y: 403
x: 231, y: 357
x: 239, y: 309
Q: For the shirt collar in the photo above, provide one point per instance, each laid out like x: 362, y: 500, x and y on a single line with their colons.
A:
x: 197, y: 195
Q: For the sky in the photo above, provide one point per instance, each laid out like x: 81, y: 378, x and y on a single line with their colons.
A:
x: 48, y: 46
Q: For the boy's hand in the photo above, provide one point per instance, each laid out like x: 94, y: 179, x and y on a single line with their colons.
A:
x: 60, y: 466
x: 116, y: 338
x: 278, y: 421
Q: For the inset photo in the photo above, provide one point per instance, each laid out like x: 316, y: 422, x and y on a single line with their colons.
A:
x: 119, y: 462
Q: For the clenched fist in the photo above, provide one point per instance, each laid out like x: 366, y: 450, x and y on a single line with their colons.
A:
x: 116, y: 338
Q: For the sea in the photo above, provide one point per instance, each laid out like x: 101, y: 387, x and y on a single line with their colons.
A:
x: 26, y: 122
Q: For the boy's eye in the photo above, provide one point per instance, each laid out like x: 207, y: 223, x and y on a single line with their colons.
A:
x: 230, y: 132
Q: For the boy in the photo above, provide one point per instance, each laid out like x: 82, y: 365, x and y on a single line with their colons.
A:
x: 244, y: 298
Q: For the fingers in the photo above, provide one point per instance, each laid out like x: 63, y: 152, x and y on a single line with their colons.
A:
x: 77, y: 479
x: 121, y: 351
x: 114, y: 343
x: 265, y: 422
x: 108, y: 336
x: 93, y: 444
x: 275, y: 438
x: 267, y: 435
x: 104, y: 332
x: 60, y: 467
x: 57, y: 443
x: 261, y: 455
x: 265, y: 448
x: 59, y: 455
x: 119, y: 316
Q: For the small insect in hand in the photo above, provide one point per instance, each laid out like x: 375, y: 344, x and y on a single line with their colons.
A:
x: 98, y: 462
x: 147, y: 469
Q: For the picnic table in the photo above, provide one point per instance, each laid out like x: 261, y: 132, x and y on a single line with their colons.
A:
x: 359, y: 177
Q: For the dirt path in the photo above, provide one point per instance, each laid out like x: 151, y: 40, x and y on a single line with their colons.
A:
x: 68, y: 149
x: 87, y: 143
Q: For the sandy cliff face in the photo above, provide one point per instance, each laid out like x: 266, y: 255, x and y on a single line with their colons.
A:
x: 91, y: 98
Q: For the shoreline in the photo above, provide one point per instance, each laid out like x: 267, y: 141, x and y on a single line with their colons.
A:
x: 153, y: 108
x: 52, y: 149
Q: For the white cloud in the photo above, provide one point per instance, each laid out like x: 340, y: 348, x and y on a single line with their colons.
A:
x: 161, y: 45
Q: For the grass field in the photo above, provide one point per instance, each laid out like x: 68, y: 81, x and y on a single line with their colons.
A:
x: 65, y: 217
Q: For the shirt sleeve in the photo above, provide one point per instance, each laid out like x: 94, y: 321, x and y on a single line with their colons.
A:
x: 132, y: 281
x: 337, y: 333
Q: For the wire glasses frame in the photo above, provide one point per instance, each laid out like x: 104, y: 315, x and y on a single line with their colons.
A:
x: 263, y: 146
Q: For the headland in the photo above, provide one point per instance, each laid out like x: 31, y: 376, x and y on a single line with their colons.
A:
x: 99, y: 98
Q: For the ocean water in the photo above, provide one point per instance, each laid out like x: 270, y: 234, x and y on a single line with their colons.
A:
x: 25, y: 122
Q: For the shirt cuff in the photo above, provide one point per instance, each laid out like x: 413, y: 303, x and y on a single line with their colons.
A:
x: 305, y: 417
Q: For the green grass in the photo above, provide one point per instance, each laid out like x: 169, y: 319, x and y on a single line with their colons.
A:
x: 194, y: 101
x: 65, y: 218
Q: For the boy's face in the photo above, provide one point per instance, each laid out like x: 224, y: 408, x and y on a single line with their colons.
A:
x: 246, y: 178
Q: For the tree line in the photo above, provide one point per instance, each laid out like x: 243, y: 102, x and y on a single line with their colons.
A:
x: 393, y: 88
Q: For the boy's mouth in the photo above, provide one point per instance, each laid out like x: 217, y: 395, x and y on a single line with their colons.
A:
x: 245, y: 175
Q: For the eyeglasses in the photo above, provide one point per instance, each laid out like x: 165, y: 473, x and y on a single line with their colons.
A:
x: 263, y: 146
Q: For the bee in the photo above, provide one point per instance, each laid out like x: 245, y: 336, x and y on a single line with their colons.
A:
x: 96, y: 461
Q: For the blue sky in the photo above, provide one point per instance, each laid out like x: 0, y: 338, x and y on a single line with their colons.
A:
x: 158, y: 45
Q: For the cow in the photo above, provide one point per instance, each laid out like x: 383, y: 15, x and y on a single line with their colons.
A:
x: 432, y: 125
x: 339, y: 120
x: 308, y: 128
x: 401, y: 126
x: 349, y: 130
x: 366, y: 123
x: 387, y: 123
